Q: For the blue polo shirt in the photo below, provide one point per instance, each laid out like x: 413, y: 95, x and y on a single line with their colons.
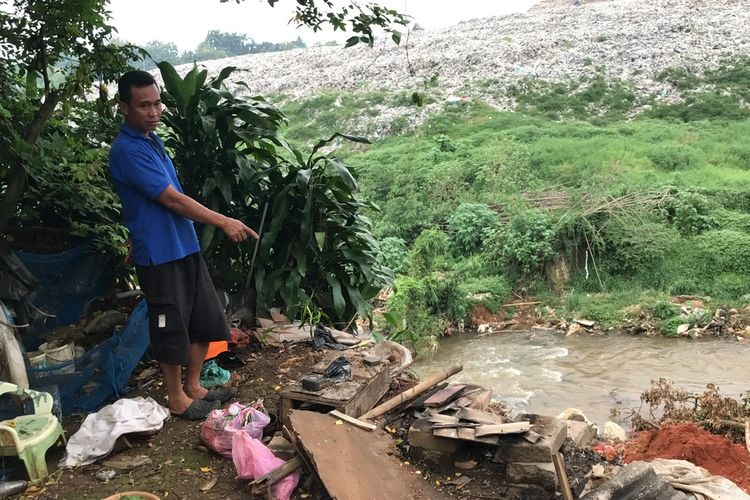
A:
x: 141, y: 170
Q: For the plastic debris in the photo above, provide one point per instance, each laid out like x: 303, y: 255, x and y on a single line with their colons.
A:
x: 212, y: 375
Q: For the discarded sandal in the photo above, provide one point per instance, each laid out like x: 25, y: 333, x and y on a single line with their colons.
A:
x: 198, y: 409
x: 220, y: 394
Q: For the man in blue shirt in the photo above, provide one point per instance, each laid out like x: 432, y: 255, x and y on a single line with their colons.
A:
x: 185, y: 314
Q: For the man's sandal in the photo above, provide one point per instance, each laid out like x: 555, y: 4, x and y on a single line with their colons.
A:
x: 220, y: 394
x: 198, y: 409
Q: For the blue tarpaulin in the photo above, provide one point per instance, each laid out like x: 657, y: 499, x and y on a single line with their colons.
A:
x: 86, y: 383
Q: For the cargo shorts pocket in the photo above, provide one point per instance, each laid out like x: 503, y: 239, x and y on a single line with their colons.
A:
x: 167, y: 331
x: 164, y: 315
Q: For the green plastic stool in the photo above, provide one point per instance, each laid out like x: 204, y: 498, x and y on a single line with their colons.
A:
x: 29, y: 437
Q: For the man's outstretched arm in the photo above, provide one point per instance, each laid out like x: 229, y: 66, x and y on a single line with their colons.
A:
x: 184, y: 205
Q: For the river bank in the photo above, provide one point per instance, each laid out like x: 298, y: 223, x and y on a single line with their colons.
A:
x: 181, y: 466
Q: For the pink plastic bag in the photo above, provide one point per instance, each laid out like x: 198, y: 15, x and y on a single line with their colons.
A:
x: 253, y: 459
x: 222, y: 424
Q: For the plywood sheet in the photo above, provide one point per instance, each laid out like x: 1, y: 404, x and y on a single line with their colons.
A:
x: 355, y: 464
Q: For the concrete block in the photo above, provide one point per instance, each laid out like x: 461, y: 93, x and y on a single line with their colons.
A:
x: 635, y: 481
x: 581, y: 433
x: 420, y: 436
x: 537, y: 473
x: 516, y: 449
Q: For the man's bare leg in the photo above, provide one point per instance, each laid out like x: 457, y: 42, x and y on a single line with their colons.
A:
x: 179, y: 401
x: 196, y: 357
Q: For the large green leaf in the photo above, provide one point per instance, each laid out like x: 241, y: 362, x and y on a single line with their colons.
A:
x: 172, y: 81
x: 344, y: 172
x: 223, y: 74
x: 339, y: 304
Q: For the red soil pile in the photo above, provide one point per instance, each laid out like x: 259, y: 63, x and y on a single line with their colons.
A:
x: 718, y: 455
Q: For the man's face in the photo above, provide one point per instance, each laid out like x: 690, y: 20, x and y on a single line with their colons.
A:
x: 143, y: 112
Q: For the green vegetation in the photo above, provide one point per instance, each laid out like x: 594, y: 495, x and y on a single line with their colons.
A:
x: 317, y: 256
x: 650, y: 207
x: 316, y: 253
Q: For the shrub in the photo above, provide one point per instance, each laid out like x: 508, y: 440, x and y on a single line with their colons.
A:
x: 684, y: 286
x: 444, y: 143
x: 689, y: 213
x: 467, y: 225
x: 669, y: 326
x: 524, y: 244
x: 430, y: 246
x: 740, y: 154
x: 724, y: 251
x: 664, y: 310
x: 425, y: 306
x: 704, y: 106
x: 473, y: 266
x: 394, y: 254
x: 730, y: 286
x: 673, y: 157
x: 490, y: 291
x: 508, y: 167
x: 632, y: 248
x: 729, y: 219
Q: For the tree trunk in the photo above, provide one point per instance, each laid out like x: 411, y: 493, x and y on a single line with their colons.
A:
x: 18, y: 173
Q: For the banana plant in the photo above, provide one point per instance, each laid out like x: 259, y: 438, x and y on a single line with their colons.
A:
x: 317, y: 247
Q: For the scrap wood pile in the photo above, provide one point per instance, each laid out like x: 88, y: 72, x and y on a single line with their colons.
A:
x: 342, y: 450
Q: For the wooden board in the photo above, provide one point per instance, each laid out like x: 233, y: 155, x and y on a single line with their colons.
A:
x: 444, y: 396
x: 500, y: 429
x: 479, y: 416
x: 355, y: 464
x: 354, y: 397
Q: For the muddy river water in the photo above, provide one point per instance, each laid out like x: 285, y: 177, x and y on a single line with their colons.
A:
x: 544, y: 372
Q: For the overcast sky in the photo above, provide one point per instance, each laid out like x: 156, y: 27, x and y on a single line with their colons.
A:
x: 186, y: 22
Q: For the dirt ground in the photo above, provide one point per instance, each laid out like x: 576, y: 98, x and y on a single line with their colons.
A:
x: 182, y: 467
x: 717, y: 454
x: 181, y: 464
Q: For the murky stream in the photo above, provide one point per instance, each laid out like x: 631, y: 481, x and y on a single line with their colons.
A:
x: 543, y: 372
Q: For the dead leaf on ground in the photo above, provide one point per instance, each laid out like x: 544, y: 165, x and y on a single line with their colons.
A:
x: 210, y: 484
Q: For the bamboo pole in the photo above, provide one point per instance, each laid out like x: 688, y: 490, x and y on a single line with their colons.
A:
x: 418, y: 389
x: 562, y: 476
x: 280, y: 472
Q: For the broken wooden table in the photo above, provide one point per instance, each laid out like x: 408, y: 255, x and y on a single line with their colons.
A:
x: 355, y: 397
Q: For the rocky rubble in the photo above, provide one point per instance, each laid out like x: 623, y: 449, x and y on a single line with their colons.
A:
x: 555, y: 41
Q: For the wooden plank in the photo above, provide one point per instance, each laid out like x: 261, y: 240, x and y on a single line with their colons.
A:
x: 450, y: 432
x: 418, y: 389
x: 475, y: 397
x: 355, y: 464
x: 465, y: 434
x: 346, y: 418
x: 280, y: 472
x: 439, y: 418
x: 479, y: 416
x: 499, y: 429
x: 442, y: 398
x: 370, y: 393
x: 471, y: 435
x: 455, y: 425
x: 333, y: 395
x: 287, y: 405
x: 562, y: 476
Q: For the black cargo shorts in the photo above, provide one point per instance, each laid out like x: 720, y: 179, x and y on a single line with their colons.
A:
x: 183, y: 307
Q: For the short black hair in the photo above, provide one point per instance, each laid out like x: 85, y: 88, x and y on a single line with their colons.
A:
x: 133, y: 79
